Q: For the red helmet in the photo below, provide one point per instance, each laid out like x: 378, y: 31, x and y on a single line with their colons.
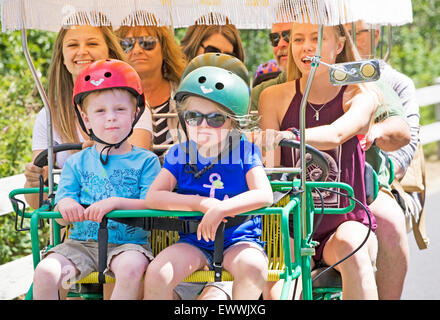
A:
x: 102, y: 75
x: 108, y: 74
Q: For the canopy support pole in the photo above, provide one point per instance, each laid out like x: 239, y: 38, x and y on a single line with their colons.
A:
x: 306, y: 228
x: 43, y: 96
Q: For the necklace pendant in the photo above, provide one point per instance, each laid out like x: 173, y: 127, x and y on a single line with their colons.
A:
x: 317, y: 115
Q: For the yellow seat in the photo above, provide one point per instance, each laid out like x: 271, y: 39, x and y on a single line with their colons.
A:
x: 271, y: 235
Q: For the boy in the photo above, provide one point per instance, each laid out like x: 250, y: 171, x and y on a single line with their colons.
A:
x: 108, y: 99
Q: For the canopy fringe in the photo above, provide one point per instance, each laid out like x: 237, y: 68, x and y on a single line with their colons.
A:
x: 51, y: 15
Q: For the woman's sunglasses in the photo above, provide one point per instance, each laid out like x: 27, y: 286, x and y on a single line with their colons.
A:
x: 276, y: 36
x: 146, y: 43
x: 195, y: 118
x: 209, y: 49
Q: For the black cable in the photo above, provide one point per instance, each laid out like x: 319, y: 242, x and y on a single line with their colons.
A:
x: 363, y: 242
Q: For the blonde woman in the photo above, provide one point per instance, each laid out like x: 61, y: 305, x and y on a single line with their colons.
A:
x: 75, y: 48
x: 156, y: 56
x: 208, y: 35
x: 335, y: 116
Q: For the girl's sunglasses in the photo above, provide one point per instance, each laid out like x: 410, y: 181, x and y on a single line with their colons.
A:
x: 209, y: 49
x: 275, y: 37
x: 195, y: 118
x: 146, y: 43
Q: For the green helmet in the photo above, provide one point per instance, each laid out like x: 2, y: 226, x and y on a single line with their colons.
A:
x: 218, y: 85
x: 220, y: 60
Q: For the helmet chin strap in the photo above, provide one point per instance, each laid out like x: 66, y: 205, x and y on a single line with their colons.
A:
x: 232, y: 140
x: 107, y: 146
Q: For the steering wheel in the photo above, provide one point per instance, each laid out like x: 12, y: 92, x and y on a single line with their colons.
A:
x: 316, y: 163
x: 41, y: 159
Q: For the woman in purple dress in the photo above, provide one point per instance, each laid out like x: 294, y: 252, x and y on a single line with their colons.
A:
x: 336, y: 118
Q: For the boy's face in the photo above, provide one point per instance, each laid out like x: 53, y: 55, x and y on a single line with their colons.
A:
x: 109, y: 114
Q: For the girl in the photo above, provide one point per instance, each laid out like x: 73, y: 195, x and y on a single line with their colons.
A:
x: 218, y: 175
x: 334, y: 117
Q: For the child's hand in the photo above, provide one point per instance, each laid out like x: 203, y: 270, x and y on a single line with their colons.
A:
x: 99, y: 209
x: 71, y: 210
x: 210, y: 222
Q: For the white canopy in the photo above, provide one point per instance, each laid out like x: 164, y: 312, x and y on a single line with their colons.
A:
x: 51, y: 15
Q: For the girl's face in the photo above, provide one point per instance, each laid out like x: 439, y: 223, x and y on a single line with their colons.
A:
x: 205, y: 135
x: 109, y: 114
x: 305, y: 42
x: 83, y: 45
x: 143, y: 60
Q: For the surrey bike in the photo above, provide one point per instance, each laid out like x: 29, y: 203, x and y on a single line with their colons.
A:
x: 294, y: 194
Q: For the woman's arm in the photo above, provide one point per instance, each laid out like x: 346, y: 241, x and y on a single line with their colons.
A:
x: 141, y: 138
x: 271, y: 110
x: 355, y: 121
x: 32, y: 174
x: 390, y: 134
x: 142, y: 132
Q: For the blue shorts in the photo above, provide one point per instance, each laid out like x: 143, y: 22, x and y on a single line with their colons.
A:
x: 209, y: 254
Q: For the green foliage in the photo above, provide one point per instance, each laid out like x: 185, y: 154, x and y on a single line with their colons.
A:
x: 257, y: 47
x: 13, y: 244
x: 19, y: 98
x: 17, y: 109
x: 416, y: 46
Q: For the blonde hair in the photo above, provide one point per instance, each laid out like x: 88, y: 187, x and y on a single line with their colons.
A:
x: 205, y: 27
x: 174, y: 61
x: 60, y: 85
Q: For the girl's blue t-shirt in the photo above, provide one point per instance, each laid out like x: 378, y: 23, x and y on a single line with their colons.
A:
x: 225, y: 179
x: 86, y: 180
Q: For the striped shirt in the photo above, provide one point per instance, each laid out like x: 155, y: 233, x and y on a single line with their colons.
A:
x: 160, y: 126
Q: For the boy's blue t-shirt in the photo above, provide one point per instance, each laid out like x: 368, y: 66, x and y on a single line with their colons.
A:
x: 225, y: 179
x: 86, y: 180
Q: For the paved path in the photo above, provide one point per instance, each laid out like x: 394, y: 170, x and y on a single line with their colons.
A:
x: 423, y: 278
x: 15, y: 278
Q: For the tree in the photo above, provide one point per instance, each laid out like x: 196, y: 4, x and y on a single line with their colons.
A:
x: 19, y: 99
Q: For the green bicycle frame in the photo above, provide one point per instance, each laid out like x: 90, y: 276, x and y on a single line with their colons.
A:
x: 303, y: 249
